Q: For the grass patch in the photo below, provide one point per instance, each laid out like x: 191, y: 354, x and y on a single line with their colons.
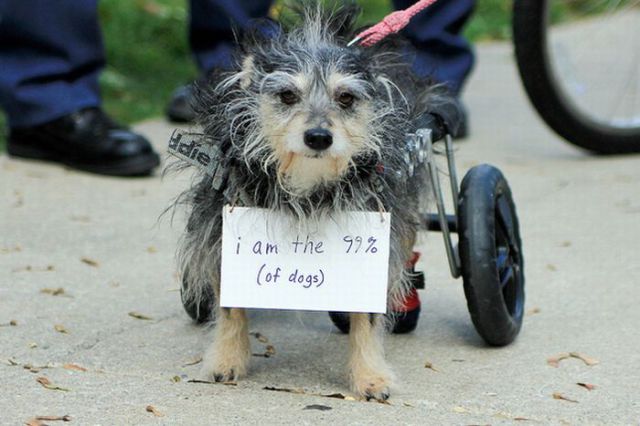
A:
x: 148, y: 55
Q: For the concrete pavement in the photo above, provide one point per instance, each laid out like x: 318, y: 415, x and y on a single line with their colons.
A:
x: 99, y: 239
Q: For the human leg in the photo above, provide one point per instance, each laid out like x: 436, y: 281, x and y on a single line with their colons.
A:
x: 51, y: 55
x: 211, y: 35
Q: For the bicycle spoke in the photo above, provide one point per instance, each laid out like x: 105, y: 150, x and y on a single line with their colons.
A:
x: 609, y: 93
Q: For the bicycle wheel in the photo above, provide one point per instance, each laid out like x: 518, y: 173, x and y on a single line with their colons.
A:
x: 579, y: 61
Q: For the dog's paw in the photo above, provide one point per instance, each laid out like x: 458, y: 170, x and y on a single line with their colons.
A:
x: 221, y: 374
x: 372, y: 388
x: 224, y: 367
x: 224, y: 376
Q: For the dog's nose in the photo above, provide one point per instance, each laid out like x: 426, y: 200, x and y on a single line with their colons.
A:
x: 318, y: 139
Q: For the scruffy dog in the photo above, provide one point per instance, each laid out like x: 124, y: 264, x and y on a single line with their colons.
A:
x: 308, y: 127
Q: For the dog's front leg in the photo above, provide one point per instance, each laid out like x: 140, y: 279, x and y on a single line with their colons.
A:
x: 370, y: 373
x: 228, y: 355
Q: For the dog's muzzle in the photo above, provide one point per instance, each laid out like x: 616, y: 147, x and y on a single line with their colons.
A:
x: 318, y: 139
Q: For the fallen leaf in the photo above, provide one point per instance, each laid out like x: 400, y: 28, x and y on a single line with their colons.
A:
x: 300, y: 391
x: 60, y: 329
x: 584, y: 358
x: 176, y: 379
x: 288, y: 390
x: 260, y: 337
x: 533, y: 311
x: 207, y: 382
x: 30, y: 268
x: 48, y: 385
x: 521, y: 419
x: 558, y: 395
x: 458, y: 360
x: 430, y: 366
x: 74, y: 367
x: 406, y: 404
x: 90, y: 262
x: 53, y: 291
x: 139, y: 316
x: 554, y: 361
x: 194, y: 361
x: 318, y: 407
x: 152, y: 249
x: 336, y: 395
x: 33, y: 345
x: 566, y: 244
x: 12, y: 362
x: 154, y: 411
x: 552, y: 267
x: 587, y: 386
x: 34, y: 369
x: 66, y: 418
x: 268, y: 352
x: 5, y: 250
x: 460, y: 410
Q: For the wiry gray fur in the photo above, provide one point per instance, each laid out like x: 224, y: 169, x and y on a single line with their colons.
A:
x: 229, y: 108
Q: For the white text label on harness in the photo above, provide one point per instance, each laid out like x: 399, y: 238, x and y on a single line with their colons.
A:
x: 339, y: 264
x: 190, y: 148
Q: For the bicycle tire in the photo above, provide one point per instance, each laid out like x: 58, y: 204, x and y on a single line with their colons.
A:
x: 550, y: 101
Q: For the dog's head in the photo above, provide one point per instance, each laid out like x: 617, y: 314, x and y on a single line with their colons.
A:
x: 304, y: 107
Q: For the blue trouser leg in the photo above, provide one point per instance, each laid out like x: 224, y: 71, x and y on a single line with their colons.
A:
x: 50, y: 56
x: 211, y: 28
x: 441, y: 51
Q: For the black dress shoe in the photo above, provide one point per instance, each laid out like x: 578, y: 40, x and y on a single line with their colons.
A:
x: 86, y: 140
x: 180, y: 108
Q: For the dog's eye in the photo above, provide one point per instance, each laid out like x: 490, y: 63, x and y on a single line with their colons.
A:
x: 288, y: 97
x: 345, y: 99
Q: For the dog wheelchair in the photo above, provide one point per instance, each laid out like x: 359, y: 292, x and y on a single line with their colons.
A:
x: 488, y: 255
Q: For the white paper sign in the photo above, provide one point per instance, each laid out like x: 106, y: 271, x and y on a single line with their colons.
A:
x: 269, y: 261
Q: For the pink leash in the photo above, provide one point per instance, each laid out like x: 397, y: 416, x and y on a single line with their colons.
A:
x: 391, y: 24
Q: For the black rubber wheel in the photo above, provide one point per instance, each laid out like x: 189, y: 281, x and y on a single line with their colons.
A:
x: 403, y: 322
x: 552, y: 102
x: 200, y: 312
x: 491, y: 255
x: 341, y: 321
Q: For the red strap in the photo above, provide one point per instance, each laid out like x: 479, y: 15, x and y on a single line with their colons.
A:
x: 410, y: 303
x: 391, y: 23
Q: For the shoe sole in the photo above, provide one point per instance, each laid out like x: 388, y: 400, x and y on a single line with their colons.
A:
x: 136, y: 166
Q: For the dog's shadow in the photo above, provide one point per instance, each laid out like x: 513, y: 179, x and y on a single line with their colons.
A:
x: 305, y: 344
